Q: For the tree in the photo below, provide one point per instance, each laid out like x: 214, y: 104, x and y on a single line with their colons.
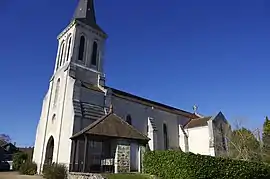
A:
x: 244, y: 145
x: 266, y: 140
x: 241, y: 143
x: 4, y: 138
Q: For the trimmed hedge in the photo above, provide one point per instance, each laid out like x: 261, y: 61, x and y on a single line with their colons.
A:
x: 179, y: 165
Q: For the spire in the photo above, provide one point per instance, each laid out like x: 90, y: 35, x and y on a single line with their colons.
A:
x: 85, y: 13
x: 85, y: 10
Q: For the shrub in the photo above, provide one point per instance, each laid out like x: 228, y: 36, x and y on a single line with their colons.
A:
x: 18, y: 159
x: 179, y: 165
x: 55, y: 171
x: 28, y: 168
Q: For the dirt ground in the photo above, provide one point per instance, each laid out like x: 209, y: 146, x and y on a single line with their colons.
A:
x: 15, y: 175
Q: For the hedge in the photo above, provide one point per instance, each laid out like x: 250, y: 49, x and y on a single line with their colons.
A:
x: 179, y: 165
x: 54, y: 171
x: 18, y: 159
x: 28, y: 168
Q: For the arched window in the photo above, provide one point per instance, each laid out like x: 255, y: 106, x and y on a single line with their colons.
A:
x: 56, y: 93
x: 61, y: 53
x: 68, y: 48
x: 49, y: 151
x: 94, y: 54
x: 53, y: 118
x: 81, y: 48
x: 129, y: 120
x: 165, y: 136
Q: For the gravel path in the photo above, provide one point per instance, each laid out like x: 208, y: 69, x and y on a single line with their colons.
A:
x: 15, y: 175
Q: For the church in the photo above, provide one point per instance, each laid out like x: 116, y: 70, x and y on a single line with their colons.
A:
x: 91, y: 127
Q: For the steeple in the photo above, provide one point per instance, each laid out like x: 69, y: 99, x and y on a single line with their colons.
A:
x: 85, y: 13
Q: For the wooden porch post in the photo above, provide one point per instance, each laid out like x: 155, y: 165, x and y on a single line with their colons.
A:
x: 85, y: 152
x: 74, y: 150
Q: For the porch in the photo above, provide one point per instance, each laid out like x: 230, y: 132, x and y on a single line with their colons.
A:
x: 104, y: 146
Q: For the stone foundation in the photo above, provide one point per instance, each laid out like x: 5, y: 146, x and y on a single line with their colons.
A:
x: 122, y: 162
x: 142, y: 150
x: 84, y: 176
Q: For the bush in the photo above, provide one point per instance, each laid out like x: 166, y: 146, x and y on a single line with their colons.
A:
x: 28, y: 168
x: 55, y: 171
x: 18, y: 159
x: 179, y: 165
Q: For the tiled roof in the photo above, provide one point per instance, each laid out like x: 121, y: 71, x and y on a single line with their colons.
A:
x: 198, y: 122
x: 112, y: 125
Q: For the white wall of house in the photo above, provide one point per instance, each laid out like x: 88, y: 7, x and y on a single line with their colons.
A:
x: 198, y: 140
x: 183, y: 139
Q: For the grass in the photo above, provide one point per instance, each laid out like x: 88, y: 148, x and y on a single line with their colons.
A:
x: 127, y: 176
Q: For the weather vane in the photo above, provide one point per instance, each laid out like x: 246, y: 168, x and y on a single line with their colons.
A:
x: 195, y: 108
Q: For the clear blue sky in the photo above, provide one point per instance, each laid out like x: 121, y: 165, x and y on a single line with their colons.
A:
x: 215, y: 54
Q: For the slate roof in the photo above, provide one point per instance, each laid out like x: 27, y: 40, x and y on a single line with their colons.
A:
x: 112, y: 125
x: 88, y: 111
x: 154, y: 103
x: 199, y: 122
x: 85, y: 13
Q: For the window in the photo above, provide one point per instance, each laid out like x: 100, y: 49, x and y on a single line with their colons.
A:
x: 53, y: 118
x: 129, y: 120
x: 81, y: 48
x: 61, y: 53
x: 56, y: 93
x: 94, y: 54
x: 68, y: 48
x: 165, y: 136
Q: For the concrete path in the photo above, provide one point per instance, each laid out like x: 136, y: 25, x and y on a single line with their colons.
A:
x: 15, y: 175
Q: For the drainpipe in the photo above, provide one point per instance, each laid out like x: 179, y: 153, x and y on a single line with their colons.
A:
x: 62, y: 113
x: 46, y: 125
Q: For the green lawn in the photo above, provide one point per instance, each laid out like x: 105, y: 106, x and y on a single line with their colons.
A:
x: 127, y: 176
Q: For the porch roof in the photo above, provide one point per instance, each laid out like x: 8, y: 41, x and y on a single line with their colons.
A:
x: 114, y: 126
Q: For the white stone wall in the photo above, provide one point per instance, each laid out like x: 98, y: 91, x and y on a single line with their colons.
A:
x: 140, y: 114
x: 40, y: 132
x: 90, y: 37
x: 198, y: 140
x: 57, y: 120
x: 183, y: 139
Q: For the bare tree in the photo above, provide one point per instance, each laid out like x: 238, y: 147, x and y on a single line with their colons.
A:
x: 241, y: 143
x: 4, y: 138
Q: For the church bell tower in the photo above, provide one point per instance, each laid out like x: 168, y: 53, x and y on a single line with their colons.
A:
x: 79, y: 61
x: 81, y: 45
